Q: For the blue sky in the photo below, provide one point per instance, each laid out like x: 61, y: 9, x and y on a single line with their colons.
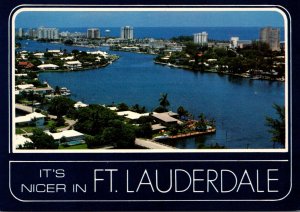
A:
x: 149, y: 19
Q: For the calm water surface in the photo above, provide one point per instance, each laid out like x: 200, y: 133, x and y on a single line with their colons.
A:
x: 238, y: 105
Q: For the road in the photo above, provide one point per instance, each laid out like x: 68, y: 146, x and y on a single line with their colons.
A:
x: 149, y: 144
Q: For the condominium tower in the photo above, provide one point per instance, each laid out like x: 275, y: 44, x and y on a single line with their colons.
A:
x: 271, y: 36
x: 93, y: 33
x: 127, y: 33
x: 47, y: 33
x: 201, y: 38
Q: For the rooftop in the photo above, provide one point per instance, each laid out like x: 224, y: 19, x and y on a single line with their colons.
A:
x: 29, y: 117
x: 165, y: 117
x: 66, y: 133
x: 132, y: 115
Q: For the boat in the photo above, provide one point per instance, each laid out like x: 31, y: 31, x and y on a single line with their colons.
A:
x: 161, y: 137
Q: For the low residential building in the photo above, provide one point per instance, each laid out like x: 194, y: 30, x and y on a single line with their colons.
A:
x: 157, y: 127
x: 166, y: 118
x: 132, y: 115
x: 39, y: 54
x: 80, y: 104
x: 24, y: 87
x: 26, y: 65
x: 72, y: 65
x: 67, y: 58
x: 37, y: 118
x: 20, y: 140
x: 48, y: 67
x: 72, y: 137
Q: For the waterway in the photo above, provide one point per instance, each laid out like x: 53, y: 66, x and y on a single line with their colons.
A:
x: 238, y: 105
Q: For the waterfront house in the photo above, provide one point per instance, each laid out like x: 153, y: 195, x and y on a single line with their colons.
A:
x: 166, y: 118
x: 48, y: 67
x: 33, y: 118
x: 157, y: 128
x: 72, y: 65
x: 72, y: 137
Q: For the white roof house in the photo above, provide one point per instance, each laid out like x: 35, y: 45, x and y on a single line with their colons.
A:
x: 54, y: 51
x: 131, y: 115
x: 39, y: 55
x: 48, y: 67
x: 29, y: 117
x: 104, y: 54
x: 20, y: 140
x: 70, y: 135
x: 113, y: 108
x: 25, y: 86
x: 73, y: 64
x: 80, y: 104
x: 67, y: 58
x: 166, y: 118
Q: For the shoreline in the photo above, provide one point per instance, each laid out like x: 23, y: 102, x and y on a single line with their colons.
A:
x: 214, y: 71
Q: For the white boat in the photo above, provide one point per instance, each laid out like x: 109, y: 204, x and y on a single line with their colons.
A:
x: 161, y: 137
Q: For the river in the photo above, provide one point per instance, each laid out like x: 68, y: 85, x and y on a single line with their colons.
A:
x: 238, y: 105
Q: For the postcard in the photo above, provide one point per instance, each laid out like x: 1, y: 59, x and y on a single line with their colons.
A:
x: 149, y: 107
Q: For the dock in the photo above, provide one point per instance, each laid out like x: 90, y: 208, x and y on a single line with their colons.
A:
x: 186, y: 135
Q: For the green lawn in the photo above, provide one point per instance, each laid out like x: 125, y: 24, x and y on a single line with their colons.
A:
x: 20, y: 130
x: 80, y: 146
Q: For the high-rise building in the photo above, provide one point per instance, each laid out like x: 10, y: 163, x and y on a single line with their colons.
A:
x: 32, y: 33
x: 127, y: 33
x: 201, y: 38
x: 271, y: 36
x: 93, y: 33
x: 234, y: 42
x: 47, y: 33
x: 21, y: 32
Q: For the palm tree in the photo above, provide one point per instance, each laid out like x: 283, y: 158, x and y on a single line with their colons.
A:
x: 277, y: 125
x: 163, y: 101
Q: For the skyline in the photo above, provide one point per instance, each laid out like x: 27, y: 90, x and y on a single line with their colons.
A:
x: 34, y: 19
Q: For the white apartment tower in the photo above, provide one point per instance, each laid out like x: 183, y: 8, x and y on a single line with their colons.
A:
x: 127, y: 33
x: 93, y: 33
x: 201, y: 38
x: 47, y: 33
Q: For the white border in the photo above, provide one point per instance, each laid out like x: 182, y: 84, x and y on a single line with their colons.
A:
x: 274, y: 8
x: 147, y: 200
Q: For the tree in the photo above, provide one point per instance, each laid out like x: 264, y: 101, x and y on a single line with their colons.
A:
x: 182, y: 112
x: 40, y: 140
x: 144, y: 130
x: 60, y: 106
x: 163, y: 101
x: 94, y: 119
x: 119, y: 134
x: 277, y: 125
x: 122, y: 107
